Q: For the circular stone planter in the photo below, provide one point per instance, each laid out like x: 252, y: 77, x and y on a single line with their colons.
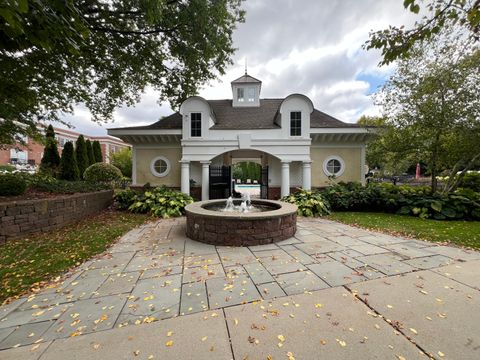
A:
x: 241, y: 229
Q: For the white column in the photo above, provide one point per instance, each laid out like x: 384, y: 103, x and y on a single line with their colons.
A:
x: 134, y: 165
x: 362, y: 165
x: 307, y: 175
x: 285, y: 190
x: 205, y: 179
x: 185, y: 176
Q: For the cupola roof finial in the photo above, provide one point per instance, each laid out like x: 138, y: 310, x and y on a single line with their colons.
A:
x: 245, y: 65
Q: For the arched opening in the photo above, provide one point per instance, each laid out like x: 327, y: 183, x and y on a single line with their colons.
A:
x: 248, y: 171
x: 247, y: 178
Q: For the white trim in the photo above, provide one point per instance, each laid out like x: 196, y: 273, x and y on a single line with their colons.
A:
x: 134, y: 165
x: 185, y: 177
x: 340, y: 131
x: 202, y: 127
x: 144, y: 132
x: 337, y: 145
x: 362, y: 165
x: 158, y: 146
x: 152, y: 166
x: 334, y: 157
x: 290, y: 125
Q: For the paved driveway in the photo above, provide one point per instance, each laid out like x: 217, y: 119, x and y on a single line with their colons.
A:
x: 332, y: 291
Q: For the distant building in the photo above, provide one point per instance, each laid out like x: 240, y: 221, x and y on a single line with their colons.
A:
x: 32, y: 152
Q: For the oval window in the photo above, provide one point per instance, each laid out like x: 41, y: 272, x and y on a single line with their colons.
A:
x: 334, y: 166
x: 160, y: 166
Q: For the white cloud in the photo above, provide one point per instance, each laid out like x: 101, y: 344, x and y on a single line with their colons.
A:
x: 309, y: 46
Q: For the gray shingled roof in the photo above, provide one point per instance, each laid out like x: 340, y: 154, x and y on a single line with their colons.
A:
x: 246, y: 79
x: 236, y: 118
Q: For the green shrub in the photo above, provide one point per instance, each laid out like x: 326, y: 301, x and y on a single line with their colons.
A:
x: 97, y: 151
x: 406, y: 200
x: 7, y: 168
x: 102, y: 172
x: 12, y: 184
x: 124, y: 198
x: 68, y: 163
x: 82, y: 155
x: 309, y: 203
x: 123, y: 160
x: 50, y: 159
x: 471, y: 181
x: 161, y: 201
x: 68, y: 187
x: 90, y: 155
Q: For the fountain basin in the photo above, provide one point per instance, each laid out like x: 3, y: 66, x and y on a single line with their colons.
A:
x: 277, y: 221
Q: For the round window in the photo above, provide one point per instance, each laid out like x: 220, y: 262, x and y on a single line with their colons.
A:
x: 334, y: 166
x: 160, y: 166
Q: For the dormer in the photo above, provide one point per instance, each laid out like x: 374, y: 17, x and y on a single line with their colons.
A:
x: 246, y: 91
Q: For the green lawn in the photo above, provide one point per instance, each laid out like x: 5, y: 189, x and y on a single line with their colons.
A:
x: 462, y: 233
x: 26, y: 263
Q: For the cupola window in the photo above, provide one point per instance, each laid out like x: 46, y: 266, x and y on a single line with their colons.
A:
x: 240, y: 94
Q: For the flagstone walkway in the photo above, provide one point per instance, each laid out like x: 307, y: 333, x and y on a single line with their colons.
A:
x: 332, y: 291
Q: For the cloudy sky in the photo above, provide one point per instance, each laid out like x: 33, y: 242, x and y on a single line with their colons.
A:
x: 313, y: 47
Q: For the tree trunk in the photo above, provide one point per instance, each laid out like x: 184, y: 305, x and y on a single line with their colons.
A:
x: 434, y: 164
x: 454, y: 180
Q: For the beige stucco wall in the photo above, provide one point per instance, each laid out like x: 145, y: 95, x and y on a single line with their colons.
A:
x: 145, y: 156
x: 351, y: 157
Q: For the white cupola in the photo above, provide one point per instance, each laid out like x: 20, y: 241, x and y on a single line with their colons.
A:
x: 246, y: 91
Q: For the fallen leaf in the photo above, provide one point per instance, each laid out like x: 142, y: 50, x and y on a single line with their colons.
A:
x: 281, y: 338
x: 441, y: 354
x: 204, y: 338
x: 169, y: 343
x: 413, y: 331
x: 169, y: 333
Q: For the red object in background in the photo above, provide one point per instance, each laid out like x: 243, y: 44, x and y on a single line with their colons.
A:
x: 417, y: 172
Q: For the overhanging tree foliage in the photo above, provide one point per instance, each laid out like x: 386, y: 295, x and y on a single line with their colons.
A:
x: 50, y: 159
x: 397, y: 42
x: 433, y: 103
x: 55, y: 54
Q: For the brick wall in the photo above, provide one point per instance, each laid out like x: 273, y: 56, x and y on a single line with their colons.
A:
x: 274, y: 192
x: 18, y: 218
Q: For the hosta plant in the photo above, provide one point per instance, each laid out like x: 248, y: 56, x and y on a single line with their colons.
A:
x: 161, y: 201
x: 309, y: 203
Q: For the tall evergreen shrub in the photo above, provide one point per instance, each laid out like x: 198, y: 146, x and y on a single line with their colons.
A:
x: 97, y: 151
x: 68, y: 163
x: 50, y: 159
x: 91, y: 156
x: 82, y: 156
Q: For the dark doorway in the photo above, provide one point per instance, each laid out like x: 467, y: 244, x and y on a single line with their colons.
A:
x: 220, y: 182
x: 264, y: 183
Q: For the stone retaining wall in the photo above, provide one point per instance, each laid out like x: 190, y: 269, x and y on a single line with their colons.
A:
x: 18, y: 218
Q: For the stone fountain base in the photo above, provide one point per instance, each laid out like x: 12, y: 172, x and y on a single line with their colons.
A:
x: 241, y: 229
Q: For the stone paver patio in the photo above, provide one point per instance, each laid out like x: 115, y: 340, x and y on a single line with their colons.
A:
x: 332, y: 291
